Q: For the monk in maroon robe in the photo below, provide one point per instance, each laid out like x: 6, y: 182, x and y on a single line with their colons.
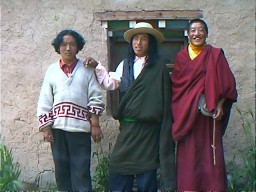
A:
x: 201, y: 69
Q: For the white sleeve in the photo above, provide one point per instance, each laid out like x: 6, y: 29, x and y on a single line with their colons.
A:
x: 95, y: 99
x: 109, y: 80
x: 45, y: 103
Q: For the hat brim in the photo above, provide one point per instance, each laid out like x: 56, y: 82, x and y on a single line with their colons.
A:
x: 131, y: 32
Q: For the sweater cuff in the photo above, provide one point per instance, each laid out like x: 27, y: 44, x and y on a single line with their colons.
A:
x: 45, y: 121
x: 46, y: 127
x: 96, y: 110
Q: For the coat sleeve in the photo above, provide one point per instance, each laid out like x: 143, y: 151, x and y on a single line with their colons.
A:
x: 220, y: 81
x: 167, y: 145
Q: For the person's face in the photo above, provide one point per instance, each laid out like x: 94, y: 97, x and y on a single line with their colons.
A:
x: 68, y: 49
x: 140, y: 44
x: 197, y: 34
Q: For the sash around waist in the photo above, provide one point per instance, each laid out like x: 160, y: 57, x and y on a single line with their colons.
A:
x: 131, y: 120
x: 128, y: 119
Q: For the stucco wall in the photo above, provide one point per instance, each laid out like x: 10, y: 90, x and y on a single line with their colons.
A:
x: 28, y: 27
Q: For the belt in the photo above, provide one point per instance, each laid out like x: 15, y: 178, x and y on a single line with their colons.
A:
x: 127, y: 119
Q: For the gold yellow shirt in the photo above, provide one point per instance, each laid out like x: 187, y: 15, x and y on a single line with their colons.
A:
x: 194, y: 51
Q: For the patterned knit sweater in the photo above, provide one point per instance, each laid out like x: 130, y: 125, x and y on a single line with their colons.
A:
x: 66, y: 102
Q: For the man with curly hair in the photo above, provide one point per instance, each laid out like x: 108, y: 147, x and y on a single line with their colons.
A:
x: 68, y: 111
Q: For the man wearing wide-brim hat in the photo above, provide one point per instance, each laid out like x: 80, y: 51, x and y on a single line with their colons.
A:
x: 144, y: 143
x: 143, y: 27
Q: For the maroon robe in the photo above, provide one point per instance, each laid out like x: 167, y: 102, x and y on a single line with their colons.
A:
x: 208, y: 74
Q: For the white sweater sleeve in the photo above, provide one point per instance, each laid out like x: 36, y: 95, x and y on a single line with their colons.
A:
x: 45, y: 102
x: 109, y: 80
x: 95, y: 97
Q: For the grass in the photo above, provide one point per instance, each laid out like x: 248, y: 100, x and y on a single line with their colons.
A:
x: 241, y: 171
x: 9, y: 171
x: 100, y: 179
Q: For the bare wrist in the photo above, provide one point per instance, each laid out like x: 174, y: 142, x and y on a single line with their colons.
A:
x: 95, y: 125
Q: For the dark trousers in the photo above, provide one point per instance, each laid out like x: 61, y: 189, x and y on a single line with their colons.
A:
x: 146, y: 181
x: 72, y: 157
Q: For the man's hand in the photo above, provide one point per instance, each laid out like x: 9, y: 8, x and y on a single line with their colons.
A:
x: 219, y: 110
x: 89, y: 61
x: 218, y: 114
x: 48, y: 135
x: 96, y: 133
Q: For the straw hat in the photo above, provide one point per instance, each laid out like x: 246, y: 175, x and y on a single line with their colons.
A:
x: 143, y: 27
